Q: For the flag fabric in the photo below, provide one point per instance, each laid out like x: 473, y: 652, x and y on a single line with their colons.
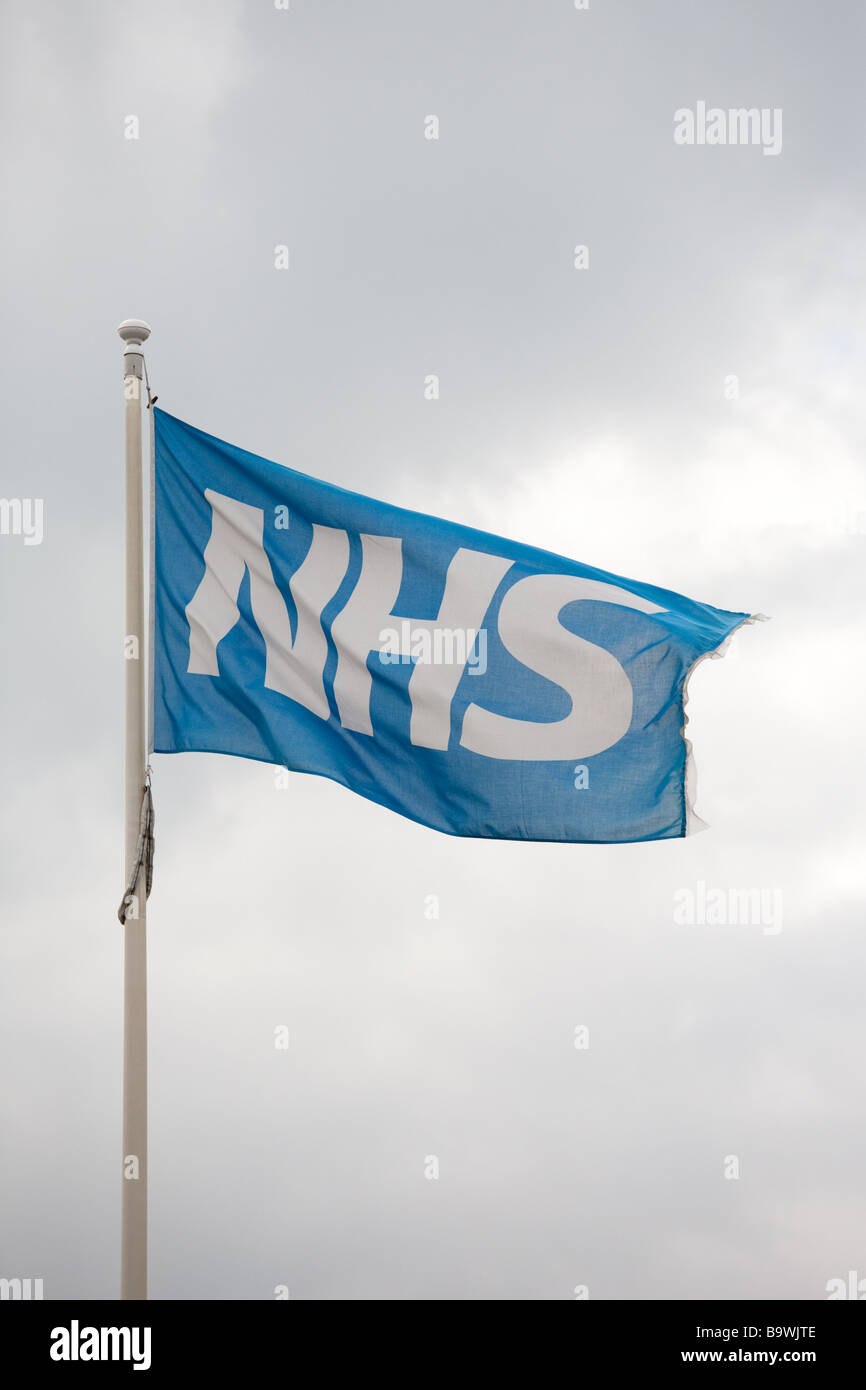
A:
x: 476, y: 685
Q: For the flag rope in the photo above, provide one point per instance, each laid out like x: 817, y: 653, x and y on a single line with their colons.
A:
x: 143, y: 853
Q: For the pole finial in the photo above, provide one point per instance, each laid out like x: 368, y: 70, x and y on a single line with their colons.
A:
x: 134, y: 332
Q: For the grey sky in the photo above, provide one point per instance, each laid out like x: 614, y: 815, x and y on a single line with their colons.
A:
x: 585, y: 411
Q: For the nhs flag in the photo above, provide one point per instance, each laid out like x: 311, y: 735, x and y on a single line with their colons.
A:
x: 476, y: 685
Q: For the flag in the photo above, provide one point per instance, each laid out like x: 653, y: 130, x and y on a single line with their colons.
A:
x: 474, y: 684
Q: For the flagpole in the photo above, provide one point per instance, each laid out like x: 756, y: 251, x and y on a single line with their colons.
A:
x: 133, y: 1223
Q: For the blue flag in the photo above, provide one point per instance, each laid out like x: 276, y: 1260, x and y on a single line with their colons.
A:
x: 476, y: 685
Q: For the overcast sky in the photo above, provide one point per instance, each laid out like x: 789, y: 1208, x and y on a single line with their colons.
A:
x: 590, y: 411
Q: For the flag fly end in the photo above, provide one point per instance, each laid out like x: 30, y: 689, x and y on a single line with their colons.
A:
x: 694, y: 824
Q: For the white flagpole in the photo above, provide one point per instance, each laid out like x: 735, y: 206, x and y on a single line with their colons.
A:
x: 133, y: 1234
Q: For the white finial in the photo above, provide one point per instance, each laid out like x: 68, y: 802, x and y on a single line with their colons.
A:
x: 134, y: 332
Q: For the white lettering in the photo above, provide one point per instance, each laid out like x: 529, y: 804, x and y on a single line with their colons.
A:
x: 294, y: 668
x: 470, y: 584
x: 600, y: 690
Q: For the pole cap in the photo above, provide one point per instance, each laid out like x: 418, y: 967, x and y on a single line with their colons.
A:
x: 134, y: 332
